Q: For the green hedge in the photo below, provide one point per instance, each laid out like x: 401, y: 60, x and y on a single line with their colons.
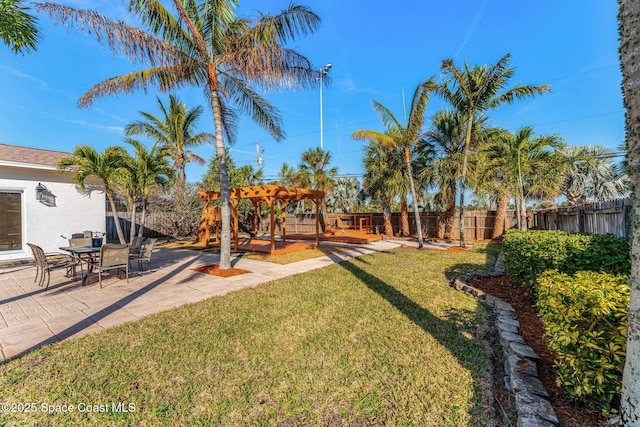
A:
x: 530, y: 253
x: 585, y: 319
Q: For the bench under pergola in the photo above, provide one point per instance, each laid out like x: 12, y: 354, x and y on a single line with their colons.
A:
x: 269, y: 194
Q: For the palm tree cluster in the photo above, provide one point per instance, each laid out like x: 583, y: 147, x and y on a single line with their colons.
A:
x: 461, y: 151
x: 132, y: 177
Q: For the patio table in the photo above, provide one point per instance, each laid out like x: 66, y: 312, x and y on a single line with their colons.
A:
x: 86, y: 254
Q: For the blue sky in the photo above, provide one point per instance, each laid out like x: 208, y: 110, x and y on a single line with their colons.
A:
x: 377, y: 50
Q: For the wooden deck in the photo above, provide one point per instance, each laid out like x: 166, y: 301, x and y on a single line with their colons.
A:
x: 349, y: 236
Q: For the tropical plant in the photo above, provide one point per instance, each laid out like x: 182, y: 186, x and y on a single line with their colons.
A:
x: 147, y: 170
x: 381, y: 166
x: 108, y: 166
x: 402, y: 136
x: 18, y: 28
x: 206, y: 45
x: 591, y: 173
x: 286, y: 175
x: 345, y: 195
x: 474, y: 91
x: 314, y: 173
x: 446, y: 137
x: 174, y: 132
x: 628, y: 28
x: 532, y: 167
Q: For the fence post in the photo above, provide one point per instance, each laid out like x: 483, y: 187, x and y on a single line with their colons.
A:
x: 581, y: 220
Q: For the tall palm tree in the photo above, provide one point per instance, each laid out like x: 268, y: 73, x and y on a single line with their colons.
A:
x: 149, y: 169
x: 108, y: 166
x: 532, y: 166
x: 591, y: 173
x: 402, y: 136
x: 206, y: 45
x: 314, y: 172
x: 18, y: 29
x: 629, y: 56
x: 474, y: 91
x: 175, y: 132
x: 381, y: 166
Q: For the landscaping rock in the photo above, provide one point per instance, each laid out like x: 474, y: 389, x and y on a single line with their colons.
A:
x: 526, y: 383
x: 532, y: 406
x: 508, y: 327
x: 522, y: 350
x: 522, y: 365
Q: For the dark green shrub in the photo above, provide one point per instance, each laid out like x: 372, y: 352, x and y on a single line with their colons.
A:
x: 530, y: 253
x: 585, y: 320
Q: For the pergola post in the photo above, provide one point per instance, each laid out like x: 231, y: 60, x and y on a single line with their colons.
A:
x: 234, y: 210
x: 317, y: 203
x: 272, y: 226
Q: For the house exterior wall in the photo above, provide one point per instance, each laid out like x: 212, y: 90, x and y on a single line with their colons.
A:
x: 45, y: 225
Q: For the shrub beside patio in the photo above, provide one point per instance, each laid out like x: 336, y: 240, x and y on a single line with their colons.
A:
x: 375, y: 340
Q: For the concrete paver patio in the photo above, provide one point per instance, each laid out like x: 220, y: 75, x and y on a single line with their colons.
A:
x: 31, y: 317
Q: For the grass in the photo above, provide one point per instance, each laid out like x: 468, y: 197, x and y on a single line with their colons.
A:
x: 378, y: 340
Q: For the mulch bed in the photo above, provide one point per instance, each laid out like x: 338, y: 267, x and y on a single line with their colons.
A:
x: 214, y: 270
x: 569, y: 414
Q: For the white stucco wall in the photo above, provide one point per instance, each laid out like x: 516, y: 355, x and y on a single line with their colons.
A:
x: 43, y: 225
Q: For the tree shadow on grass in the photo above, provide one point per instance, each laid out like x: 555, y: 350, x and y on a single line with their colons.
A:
x: 446, y: 331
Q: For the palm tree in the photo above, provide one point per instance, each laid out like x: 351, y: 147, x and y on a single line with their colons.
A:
x: 108, y: 166
x: 474, y: 91
x: 629, y: 57
x: 447, y: 138
x: 206, y: 45
x: 532, y: 166
x: 591, y: 173
x: 492, y: 181
x: 286, y: 175
x: 345, y: 195
x: 381, y: 166
x: 403, y: 137
x: 175, y: 132
x: 17, y: 28
x: 315, y: 174
x: 148, y: 169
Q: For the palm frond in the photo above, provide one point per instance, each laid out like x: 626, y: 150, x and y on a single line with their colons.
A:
x: 18, y: 29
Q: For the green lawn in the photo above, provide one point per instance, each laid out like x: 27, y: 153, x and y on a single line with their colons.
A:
x: 379, y: 340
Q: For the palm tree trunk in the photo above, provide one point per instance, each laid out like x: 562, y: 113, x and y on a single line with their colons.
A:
x: 629, y: 58
x: 523, y: 214
x: 404, y: 217
x: 463, y: 179
x: 407, y: 156
x: 132, y: 230
x: 116, y: 220
x: 386, y: 215
x: 501, y: 213
x: 449, y: 215
x: 143, y: 217
x: 225, y: 203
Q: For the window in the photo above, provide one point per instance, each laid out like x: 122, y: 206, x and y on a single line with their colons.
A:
x: 10, y: 221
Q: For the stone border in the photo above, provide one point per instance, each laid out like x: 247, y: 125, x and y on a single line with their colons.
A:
x: 521, y: 362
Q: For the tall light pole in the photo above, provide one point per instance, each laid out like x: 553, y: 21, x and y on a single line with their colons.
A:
x: 323, y: 72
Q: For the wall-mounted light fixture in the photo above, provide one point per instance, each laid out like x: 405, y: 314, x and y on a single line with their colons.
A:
x: 44, y: 196
x: 41, y: 192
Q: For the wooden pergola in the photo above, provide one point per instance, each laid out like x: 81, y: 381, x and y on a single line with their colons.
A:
x: 269, y: 194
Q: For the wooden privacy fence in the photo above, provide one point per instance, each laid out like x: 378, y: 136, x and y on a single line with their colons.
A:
x: 153, y: 225
x: 595, y: 218
x: 478, y: 225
